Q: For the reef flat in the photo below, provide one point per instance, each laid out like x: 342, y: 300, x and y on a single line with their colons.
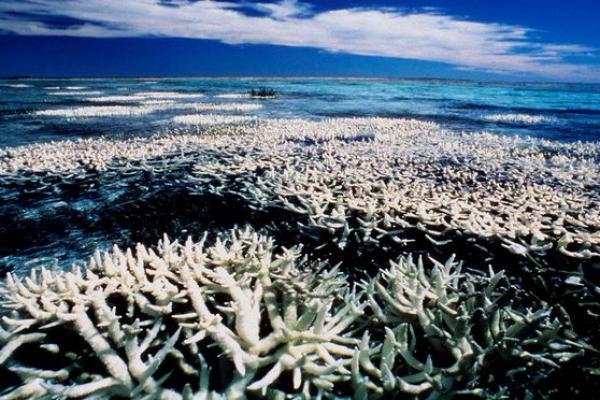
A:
x: 342, y: 258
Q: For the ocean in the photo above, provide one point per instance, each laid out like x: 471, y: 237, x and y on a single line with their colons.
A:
x: 33, y: 111
x: 41, y: 230
x: 375, y: 237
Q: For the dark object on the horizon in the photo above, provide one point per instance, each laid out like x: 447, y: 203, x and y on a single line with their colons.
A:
x: 263, y: 93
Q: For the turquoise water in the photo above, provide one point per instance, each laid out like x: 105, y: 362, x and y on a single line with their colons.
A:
x: 554, y: 111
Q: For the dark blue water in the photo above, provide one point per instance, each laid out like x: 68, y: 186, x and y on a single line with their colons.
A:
x: 553, y: 111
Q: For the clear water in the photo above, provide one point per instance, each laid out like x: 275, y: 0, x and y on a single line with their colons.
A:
x: 554, y: 111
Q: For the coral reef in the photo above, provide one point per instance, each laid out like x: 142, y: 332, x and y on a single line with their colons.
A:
x: 244, y: 317
x: 381, y: 199
x: 267, y: 312
x: 530, y: 200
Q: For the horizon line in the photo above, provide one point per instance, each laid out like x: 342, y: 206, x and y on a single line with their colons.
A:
x: 301, y: 77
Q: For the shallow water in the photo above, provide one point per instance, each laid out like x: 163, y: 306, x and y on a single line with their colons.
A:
x: 65, y: 224
x: 43, y: 110
x: 60, y: 215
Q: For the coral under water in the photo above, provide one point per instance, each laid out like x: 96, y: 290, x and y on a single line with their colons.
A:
x: 245, y: 316
x: 381, y: 258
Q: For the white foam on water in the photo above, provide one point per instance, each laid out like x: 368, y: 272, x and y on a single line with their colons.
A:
x: 98, y: 111
x: 232, y: 96
x: 147, y: 96
x: 211, y: 119
x: 118, y: 98
x: 170, y: 95
x: 528, y: 119
x: 75, y: 87
x: 51, y: 87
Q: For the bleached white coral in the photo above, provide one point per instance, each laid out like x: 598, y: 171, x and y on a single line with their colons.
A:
x: 211, y: 119
x: 373, y: 180
x: 119, y: 327
x: 268, y: 323
x: 518, y: 118
x: 443, y: 326
x: 244, y: 316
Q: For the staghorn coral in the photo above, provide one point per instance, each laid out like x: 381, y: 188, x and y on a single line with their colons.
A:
x: 376, y: 188
x: 266, y: 312
x: 468, y: 325
x: 393, y: 187
x: 243, y: 317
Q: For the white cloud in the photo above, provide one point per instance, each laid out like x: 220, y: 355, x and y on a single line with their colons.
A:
x: 428, y: 34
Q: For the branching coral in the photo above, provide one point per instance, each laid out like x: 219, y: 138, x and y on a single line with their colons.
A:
x: 137, y: 317
x: 244, y: 317
x: 444, y: 326
x: 387, y: 189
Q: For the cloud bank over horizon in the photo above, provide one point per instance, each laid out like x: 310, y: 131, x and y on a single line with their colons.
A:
x: 425, y: 34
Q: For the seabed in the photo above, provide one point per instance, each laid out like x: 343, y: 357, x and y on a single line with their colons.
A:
x: 344, y: 258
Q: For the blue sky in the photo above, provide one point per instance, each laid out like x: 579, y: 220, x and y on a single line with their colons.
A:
x: 474, y: 39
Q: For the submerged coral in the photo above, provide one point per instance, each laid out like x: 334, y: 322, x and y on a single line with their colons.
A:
x: 266, y: 311
x: 246, y: 317
x: 531, y: 200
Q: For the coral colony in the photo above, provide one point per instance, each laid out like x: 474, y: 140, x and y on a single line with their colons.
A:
x: 397, y: 260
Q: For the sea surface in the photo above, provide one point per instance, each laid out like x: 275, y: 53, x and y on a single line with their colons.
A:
x: 66, y: 224
x: 34, y: 111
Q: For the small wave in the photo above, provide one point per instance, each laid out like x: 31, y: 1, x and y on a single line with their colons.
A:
x: 77, y: 93
x: 17, y: 85
x: 75, y: 87
x: 211, y: 119
x: 51, y: 87
x: 527, y: 119
x: 108, y: 99
x: 232, y: 96
x: 99, y: 111
x: 524, y: 110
